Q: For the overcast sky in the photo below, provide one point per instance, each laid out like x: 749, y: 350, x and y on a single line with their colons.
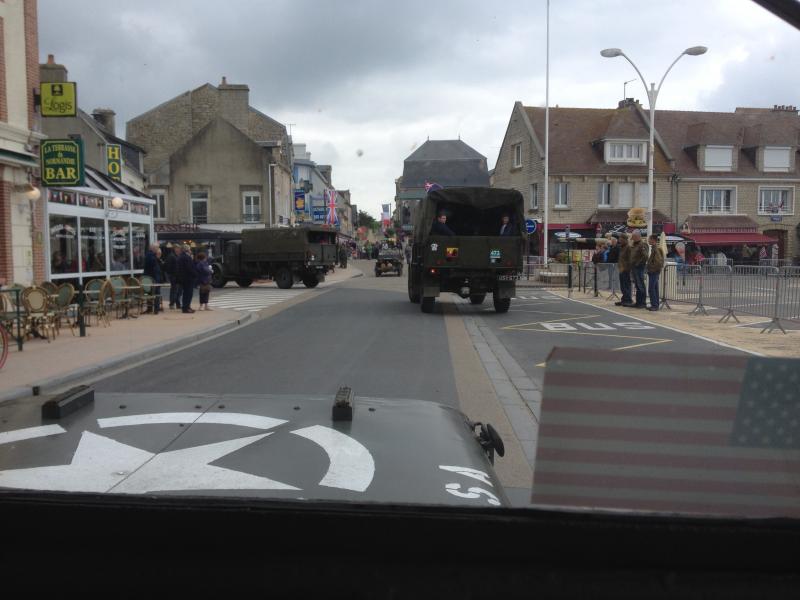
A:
x: 364, y: 82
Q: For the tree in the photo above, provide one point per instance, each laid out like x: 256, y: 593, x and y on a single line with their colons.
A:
x: 367, y: 220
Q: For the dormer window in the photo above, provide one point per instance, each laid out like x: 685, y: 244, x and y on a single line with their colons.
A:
x: 719, y: 158
x: 777, y: 159
x: 625, y: 152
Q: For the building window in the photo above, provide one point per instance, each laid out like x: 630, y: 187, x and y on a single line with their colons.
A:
x: 719, y: 158
x: 141, y: 237
x: 160, y: 208
x: 535, y: 196
x: 625, y: 195
x: 562, y: 195
x: 251, y: 207
x: 199, y: 202
x: 777, y: 160
x: 716, y: 200
x: 517, y: 155
x: 93, y: 245
x: 604, y: 194
x: 63, y: 244
x: 644, y: 195
x: 627, y: 152
x: 120, y: 240
x: 776, y: 201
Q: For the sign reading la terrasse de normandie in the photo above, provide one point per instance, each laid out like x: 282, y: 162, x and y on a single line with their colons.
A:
x: 62, y: 163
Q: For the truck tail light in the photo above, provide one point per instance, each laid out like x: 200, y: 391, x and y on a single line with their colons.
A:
x: 434, y: 271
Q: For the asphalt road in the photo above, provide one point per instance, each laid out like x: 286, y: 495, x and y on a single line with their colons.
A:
x: 363, y: 333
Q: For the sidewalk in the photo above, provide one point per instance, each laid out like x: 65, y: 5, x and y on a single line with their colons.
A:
x: 734, y: 334
x: 70, y: 358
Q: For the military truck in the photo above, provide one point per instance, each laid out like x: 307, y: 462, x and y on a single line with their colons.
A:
x: 390, y: 260
x: 475, y: 260
x: 286, y: 255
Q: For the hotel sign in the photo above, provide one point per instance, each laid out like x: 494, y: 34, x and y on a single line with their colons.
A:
x: 62, y: 162
x: 114, y: 161
x: 59, y: 99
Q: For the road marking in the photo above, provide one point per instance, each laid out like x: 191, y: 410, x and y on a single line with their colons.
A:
x: 521, y: 325
x: 472, y: 493
x: 664, y: 341
x: 468, y: 472
x: 542, y: 364
x: 248, y: 300
x: 6, y: 437
x: 351, y: 464
x: 245, y: 420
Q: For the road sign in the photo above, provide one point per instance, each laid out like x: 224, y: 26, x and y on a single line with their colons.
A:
x: 59, y: 99
x: 530, y: 225
x: 62, y: 162
x: 776, y: 218
x: 114, y: 161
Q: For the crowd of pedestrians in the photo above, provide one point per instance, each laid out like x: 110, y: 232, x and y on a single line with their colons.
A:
x: 638, y: 265
x: 183, y: 272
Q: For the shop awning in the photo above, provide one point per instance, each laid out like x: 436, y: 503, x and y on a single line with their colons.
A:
x: 730, y: 239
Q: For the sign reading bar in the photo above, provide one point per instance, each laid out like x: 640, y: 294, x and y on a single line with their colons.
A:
x: 59, y: 99
x: 62, y: 162
x: 114, y: 161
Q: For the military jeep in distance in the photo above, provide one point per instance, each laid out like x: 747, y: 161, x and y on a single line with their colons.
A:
x: 476, y: 260
x: 390, y: 260
x: 287, y: 255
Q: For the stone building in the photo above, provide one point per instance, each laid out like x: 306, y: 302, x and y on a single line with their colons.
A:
x: 215, y: 161
x: 22, y: 254
x: 706, y: 165
x: 449, y: 163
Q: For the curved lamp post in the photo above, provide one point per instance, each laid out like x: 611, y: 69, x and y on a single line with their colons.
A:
x: 652, y: 96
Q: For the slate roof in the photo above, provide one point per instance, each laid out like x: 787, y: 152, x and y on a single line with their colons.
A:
x: 450, y: 163
x: 577, y: 134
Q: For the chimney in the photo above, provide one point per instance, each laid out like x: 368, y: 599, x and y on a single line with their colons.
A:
x: 234, y: 104
x: 50, y: 72
x: 105, y: 117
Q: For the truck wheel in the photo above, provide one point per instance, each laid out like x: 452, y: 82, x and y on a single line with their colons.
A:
x: 310, y: 281
x: 413, y: 292
x: 244, y: 282
x: 477, y: 298
x: 217, y: 280
x: 377, y: 273
x: 284, y: 279
x: 501, y: 305
x: 427, y: 303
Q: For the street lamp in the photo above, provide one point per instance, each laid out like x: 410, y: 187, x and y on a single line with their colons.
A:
x: 652, y: 96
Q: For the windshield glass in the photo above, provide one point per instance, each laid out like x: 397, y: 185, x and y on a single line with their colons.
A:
x: 450, y: 253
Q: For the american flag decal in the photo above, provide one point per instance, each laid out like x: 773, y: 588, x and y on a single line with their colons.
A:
x: 664, y: 432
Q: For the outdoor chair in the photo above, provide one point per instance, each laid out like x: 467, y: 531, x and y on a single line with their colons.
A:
x: 49, y: 287
x: 136, y: 296
x: 40, y: 318
x: 149, y: 292
x: 96, y: 297
x: 63, y: 302
x: 9, y: 316
x: 119, y: 300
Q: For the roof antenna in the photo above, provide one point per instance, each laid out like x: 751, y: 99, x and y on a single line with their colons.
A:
x: 459, y: 136
x: 429, y: 138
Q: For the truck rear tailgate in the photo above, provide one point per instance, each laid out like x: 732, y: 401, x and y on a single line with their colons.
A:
x: 474, y: 252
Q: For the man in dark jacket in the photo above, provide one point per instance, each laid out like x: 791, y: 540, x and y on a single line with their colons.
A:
x: 639, y: 254
x: 624, y: 268
x: 655, y: 263
x: 171, y: 269
x: 152, y: 267
x: 186, y: 275
x: 440, y: 226
x: 505, y: 228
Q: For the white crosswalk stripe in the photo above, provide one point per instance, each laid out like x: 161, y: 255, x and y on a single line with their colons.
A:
x: 250, y: 300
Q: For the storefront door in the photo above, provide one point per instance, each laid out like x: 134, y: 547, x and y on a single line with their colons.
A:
x: 780, y: 235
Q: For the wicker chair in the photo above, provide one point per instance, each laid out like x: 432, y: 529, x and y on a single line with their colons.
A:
x: 15, y: 323
x: 49, y: 287
x: 97, y: 294
x: 149, y: 292
x: 63, y: 302
x: 136, y: 296
x: 119, y: 300
x: 40, y: 318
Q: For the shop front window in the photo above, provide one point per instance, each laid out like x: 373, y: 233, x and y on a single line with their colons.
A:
x: 63, y: 244
x: 120, y: 245
x: 93, y: 245
x: 140, y: 240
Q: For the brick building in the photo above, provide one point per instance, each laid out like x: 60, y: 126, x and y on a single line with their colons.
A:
x: 215, y: 161
x: 707, y: 166
x: 21, y: 213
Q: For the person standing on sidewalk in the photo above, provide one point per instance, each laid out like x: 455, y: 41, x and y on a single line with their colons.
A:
x: 186, y: 276
x: 655, y: 264
x: 204, y: 273
x: 152, y: 268
x: 171, y: 269
x: 612, y: 257
x: 624, y: 268
x: 639, y: 254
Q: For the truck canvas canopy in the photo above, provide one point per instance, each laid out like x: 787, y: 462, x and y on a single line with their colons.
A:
x: 472, y: 210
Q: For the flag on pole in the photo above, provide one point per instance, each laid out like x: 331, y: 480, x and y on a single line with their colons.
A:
x: 690, y: 433
x: 432, y: 187
x: 332, y: 218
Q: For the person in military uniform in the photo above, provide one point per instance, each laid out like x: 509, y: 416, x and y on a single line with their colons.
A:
x: 342, y: 256
x: 624, y: 268
x: 639, y: 254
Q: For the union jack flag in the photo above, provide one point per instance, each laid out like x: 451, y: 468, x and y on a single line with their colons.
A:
x: 332, y: 218
x: 432, y: 186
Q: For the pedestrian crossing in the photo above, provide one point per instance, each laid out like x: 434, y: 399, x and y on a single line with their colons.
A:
x: 250, y: 299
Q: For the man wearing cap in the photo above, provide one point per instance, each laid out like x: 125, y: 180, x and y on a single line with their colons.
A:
x: 440, y: 226
x: 186, y: 274
x: 624, y: 268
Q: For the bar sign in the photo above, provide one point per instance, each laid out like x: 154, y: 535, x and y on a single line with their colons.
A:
x: 114, y: 161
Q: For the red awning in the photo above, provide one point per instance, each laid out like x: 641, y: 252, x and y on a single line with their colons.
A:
x: 730, y: 239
